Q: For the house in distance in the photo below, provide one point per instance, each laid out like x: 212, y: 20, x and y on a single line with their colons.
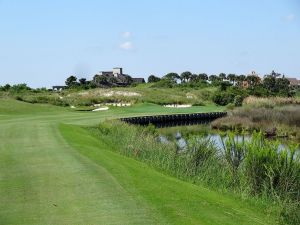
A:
x: 294, y: 83
x: 116, y: 77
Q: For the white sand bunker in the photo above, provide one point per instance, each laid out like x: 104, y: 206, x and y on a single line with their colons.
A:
x: 177, y: 106
x: 101, y: 109
x: 121, y: 93
x: 109, y: 93
x: 116, y: 104
x: 122, y: 104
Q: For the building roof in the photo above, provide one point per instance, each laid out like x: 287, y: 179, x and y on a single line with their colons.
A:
x: 138, y: 80
x: 294, y: 81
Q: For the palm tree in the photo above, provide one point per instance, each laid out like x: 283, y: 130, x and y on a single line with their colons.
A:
x: 253, y: 80
x: 222, y: 76
x: 232, y: 78
x: 185, y: 76
x: 194, y: 78
x: 213, y: 78
x: 203, y: 76
x: 240, y: 79
x: 172, y: 76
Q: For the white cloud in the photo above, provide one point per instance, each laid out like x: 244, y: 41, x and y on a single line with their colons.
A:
x: 291, y: 17
x: 126, y: 46
x: 126, y: 34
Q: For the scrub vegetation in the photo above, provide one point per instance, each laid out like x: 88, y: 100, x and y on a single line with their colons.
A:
x: 133, y: 95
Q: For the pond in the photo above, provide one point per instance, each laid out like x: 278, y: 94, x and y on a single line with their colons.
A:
x: 216, y: 139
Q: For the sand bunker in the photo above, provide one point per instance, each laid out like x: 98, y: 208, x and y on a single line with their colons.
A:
x: 177, y: 106
x: 109, y: 93
x: 121, y: 93
x: 101, y: 109
x: 117, y: 104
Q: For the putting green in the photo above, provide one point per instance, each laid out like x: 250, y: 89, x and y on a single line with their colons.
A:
x: 54, y: 172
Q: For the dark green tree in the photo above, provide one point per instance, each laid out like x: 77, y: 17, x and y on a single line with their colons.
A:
x: 269, y: 83
x: 253, y: 80
x: 240, y: 79
x: 112, y: 80
x: 185, y: 76
x: 203, y: 76
x: 213, y: 78
x: 222, y: 76
x: 71, y: 81
x: 283, y: 86
x: 153, y: 79
x: 232, y: 78
x: 172, y: 76
x: 194, y: 78
x: 20, y: 87
x: 99, y: 80
x: 5, y: 87
x: 82, y: 81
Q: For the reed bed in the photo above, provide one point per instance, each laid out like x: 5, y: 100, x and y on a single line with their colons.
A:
x: 252, y: 169
x: 285, y: 120
x: 270, y: 102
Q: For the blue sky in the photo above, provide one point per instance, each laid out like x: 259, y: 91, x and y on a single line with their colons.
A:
x: 43, y: 42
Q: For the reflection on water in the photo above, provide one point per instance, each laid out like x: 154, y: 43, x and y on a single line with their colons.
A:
x: 216, y: 139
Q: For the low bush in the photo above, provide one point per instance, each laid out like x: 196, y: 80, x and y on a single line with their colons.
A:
x: 223, y: 98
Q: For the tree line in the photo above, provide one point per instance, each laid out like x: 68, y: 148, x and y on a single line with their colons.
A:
x: 232, y: 88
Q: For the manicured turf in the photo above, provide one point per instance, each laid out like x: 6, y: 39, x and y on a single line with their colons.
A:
x: 53, y: 172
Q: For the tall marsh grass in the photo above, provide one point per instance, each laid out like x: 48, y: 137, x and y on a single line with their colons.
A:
x: 253, y: 168
x: 285, y: 119
x: 269, y: 102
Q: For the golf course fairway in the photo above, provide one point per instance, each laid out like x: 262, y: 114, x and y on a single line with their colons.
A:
x: 52, y: 172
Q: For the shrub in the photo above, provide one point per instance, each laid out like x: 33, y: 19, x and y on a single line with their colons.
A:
x: 164, y: 83
x: 238, y: 100
x: 223, y: 98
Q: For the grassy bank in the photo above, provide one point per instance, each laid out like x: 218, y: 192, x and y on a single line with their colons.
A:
x: 250, y: 170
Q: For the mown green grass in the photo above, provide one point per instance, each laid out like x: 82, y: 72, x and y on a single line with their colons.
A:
x: 53, y: 172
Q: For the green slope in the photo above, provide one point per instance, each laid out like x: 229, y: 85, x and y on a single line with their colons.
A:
x: 54, y: 173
